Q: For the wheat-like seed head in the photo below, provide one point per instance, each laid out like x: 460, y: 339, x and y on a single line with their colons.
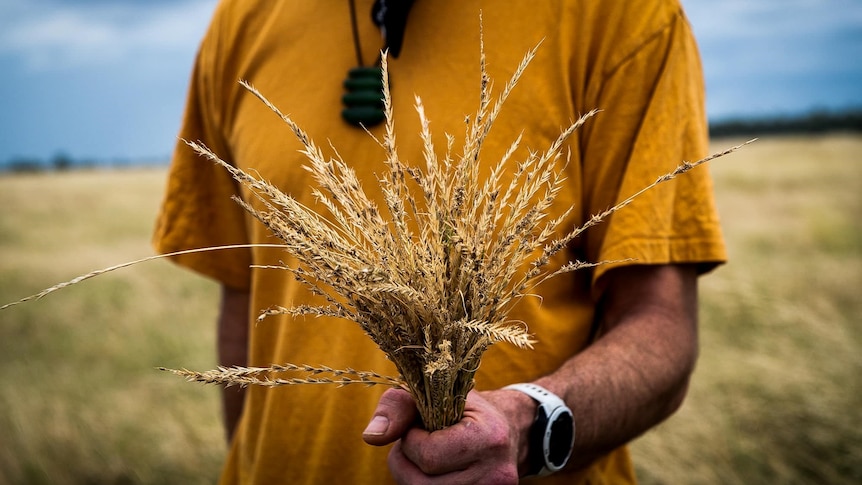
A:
x: 432, y: 276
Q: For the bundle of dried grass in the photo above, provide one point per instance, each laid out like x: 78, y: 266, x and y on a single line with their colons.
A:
x: 432, y: 278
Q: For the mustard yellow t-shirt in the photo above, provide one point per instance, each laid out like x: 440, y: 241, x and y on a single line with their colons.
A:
x: 636, y: 61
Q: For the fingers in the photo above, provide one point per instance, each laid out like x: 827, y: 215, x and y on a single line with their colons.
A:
x: 476, y: 450
x: 444, y: 451
x: 395, y: 414
x: 491, y: 472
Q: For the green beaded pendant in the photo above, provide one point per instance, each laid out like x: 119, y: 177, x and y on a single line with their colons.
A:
x: 364, y: 99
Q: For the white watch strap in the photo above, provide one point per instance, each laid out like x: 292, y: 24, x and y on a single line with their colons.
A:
x: 553, y: 405
x: 538, y: 393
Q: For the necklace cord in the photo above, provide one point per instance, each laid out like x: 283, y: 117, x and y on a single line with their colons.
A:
x: 356, y: 44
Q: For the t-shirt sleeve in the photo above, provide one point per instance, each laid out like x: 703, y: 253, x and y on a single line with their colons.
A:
x: 197, y: 210
x: 653, y: 119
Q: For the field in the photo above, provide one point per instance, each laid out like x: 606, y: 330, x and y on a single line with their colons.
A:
x: 776, y: 398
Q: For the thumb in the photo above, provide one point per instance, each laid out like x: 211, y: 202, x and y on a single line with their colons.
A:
x: 395, y: 414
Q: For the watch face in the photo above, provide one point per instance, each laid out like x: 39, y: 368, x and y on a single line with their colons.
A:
x: 561, y: 438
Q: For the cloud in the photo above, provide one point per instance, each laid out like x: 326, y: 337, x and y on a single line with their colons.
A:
x: 778, y: 55
x: 47, y: 36
x: 771, y: 19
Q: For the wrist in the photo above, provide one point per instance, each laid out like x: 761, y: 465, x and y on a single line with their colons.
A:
x: 551, y: 436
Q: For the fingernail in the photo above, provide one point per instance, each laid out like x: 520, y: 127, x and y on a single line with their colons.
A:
x: 377, y: 426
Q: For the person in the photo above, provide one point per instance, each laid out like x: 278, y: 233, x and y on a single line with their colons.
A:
x: 617, y: 344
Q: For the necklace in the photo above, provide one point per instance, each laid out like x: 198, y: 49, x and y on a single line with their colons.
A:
x: 363, y: 102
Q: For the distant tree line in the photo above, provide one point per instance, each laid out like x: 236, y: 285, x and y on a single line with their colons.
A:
x: 58, y: 162
x: 62, y: 162
x: 814, y: 122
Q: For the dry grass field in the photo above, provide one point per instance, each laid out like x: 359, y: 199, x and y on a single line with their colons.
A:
x: 777, y: 397
x: 81, y: 401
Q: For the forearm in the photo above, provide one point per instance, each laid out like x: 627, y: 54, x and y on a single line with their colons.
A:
x: 635, y: 374
x: 232, y: 342
x: 616, y: 395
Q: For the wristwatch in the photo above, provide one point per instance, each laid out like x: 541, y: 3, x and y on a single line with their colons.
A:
x: 552, y: 434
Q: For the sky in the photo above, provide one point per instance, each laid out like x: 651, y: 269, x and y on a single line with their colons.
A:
x: 105, y: 80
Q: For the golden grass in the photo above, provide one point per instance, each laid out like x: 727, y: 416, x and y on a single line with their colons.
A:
x: 433, y: 275
x: 775, y: 398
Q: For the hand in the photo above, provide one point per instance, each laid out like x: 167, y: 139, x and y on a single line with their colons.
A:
x: 485, y: 447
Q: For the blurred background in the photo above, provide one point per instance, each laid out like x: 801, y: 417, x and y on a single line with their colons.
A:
x: 100, y: 84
